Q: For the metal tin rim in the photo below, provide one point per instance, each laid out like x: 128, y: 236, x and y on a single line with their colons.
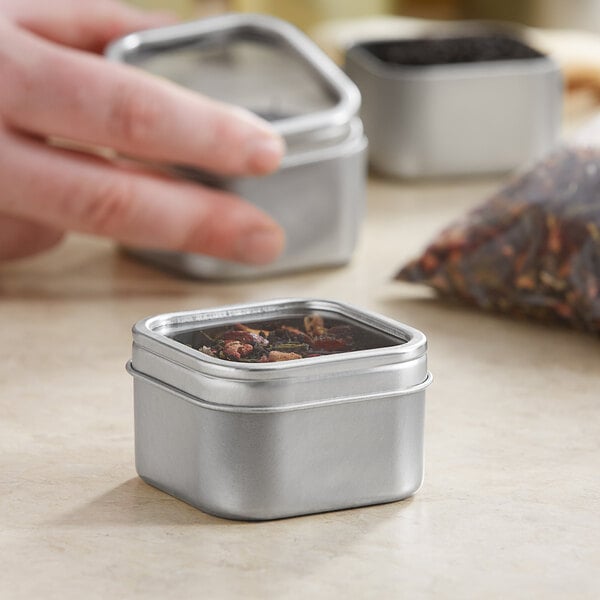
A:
x: 284, y: 408
x: 413, y: 344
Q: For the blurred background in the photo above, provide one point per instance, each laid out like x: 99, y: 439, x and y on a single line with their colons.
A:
x: 575, y: 14
x: 568, y: 31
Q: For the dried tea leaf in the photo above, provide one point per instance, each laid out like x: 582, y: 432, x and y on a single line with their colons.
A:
x: 284, y: 341
x: 533, y: 249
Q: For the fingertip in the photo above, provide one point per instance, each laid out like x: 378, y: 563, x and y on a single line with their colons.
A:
x: 265, y: 148
x: 260, y: 246
x: 265, y: 154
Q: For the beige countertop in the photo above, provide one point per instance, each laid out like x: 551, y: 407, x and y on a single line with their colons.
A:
x: 510, y: 507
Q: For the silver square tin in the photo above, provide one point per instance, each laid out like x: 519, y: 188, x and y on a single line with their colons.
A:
x: 265, y: 441
x: 456, y: 119
x: 272, y: 69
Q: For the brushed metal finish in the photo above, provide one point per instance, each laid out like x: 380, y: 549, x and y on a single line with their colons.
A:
x: 265, y: 441
x: 273, y: 464
x: 318, y: 194
x: 457, y: 119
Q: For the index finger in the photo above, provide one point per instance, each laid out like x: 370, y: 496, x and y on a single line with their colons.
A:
x: 61, y: 92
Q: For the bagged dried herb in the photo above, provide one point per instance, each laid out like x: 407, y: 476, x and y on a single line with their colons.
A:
x: 532, y: 249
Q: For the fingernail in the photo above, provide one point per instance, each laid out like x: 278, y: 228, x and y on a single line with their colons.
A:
x: 260, y: 247
x: 265, y: 154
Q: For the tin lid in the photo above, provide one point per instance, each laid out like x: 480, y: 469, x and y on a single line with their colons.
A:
x: 395, y: 362
x: 255, y: 61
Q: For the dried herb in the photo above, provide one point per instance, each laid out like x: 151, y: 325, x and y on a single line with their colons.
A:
x: 533, y: 249
x: 284, y: 340
x: 425, y: 52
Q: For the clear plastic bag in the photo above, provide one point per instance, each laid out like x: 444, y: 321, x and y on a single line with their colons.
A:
x: 533, y: 248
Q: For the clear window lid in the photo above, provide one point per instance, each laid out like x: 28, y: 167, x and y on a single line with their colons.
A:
x: 257, y: 62
x: 259, y: 74
x: 295, y: 336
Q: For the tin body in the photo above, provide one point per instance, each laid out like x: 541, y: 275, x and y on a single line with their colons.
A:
x: 270, y: 68
x: 266, y: 441
x: 456, y: 119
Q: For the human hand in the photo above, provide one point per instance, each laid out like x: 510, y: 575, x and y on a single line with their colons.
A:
x: 52, y: 86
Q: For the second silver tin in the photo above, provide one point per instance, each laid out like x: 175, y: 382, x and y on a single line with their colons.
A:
x: 272, y: 69
x: 265, y: 441
x: 461, y: 118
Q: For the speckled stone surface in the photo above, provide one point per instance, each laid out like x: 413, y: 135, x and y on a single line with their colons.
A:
x: 510, y: 507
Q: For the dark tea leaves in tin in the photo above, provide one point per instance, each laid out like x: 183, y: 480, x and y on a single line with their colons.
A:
x: 286, y: 339
x: 426, y: 52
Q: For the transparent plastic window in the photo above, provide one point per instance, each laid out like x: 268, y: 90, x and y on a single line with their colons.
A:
x: 533, y: 248
x: 290, y: 338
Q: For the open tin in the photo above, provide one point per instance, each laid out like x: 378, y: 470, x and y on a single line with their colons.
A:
x: 477, y: 102
x: 270, y: 68
x: 258, y: 441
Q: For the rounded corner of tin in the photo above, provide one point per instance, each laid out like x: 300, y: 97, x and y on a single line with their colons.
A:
x: 117, y: 49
